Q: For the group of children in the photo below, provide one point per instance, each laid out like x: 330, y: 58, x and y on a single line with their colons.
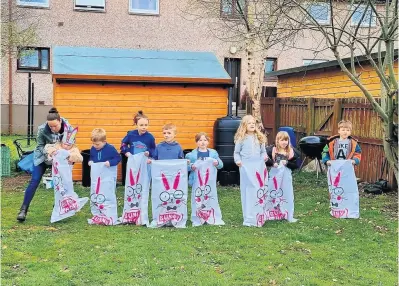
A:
x: 250, y: 149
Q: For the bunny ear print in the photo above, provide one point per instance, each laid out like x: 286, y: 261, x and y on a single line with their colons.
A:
x: 337, y: 179
x: 264, y: 174
x: 131, y: 177
x: 165, y: 182
x: 207, y: 176
x: 275, y: 183
x: 138, y: 176
x: 199, y: 178
x: 329, y: 176
x: 177, y: 181
x: 259, y: 179
x: 98, y: 186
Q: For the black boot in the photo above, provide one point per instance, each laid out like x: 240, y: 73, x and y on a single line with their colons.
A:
x: 22, y: 213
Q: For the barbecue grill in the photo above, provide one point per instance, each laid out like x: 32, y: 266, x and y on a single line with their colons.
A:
x: 312, y: 147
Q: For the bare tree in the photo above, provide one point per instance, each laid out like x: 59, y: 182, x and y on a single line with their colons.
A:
x: 367, y: 28
x: 18, y: 28
x: 254, y: 25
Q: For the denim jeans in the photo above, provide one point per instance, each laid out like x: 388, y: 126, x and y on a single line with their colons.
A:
x: 37, y: 175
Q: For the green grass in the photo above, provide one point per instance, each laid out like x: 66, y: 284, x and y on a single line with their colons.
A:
x: 317, y: 250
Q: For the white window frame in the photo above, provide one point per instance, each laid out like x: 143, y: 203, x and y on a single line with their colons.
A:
x: 364, y: 24
x: 91, y: 8
x: 143, y: 11
x: 33, y: 4
x: 321, y: 22
x: 313, y: 61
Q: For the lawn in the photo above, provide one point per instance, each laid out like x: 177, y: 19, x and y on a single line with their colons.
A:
x: 317, y: 250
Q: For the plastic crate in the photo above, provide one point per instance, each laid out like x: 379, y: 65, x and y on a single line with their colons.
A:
x: 5, y: 161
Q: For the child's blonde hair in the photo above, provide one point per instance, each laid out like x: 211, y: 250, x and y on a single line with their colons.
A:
x: 282, y: 135
x: 170, y: 126
x: 242, y: 130
x: 345, y: 124
x: 199, y: 135
x: 98, y: 135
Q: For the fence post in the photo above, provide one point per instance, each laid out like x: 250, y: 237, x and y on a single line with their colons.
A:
x: 310, y: 123
x: 276, y: 110
x: 337, y: 115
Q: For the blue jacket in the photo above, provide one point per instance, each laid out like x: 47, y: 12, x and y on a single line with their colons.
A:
x: 107, y: 153
x: 193, y: 155
x: 135, y: 143
x: 168, y: 151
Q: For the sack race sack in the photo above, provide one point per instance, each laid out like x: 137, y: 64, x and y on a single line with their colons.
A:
x: 281, y: 195
x: 102, y: 195
x: 26, y: 163
x: 66, y: 201
x: 137, y: 189
x: 204, y: 198
x: 169, y: 193
x: 342, y: 188
x: 253, y: 188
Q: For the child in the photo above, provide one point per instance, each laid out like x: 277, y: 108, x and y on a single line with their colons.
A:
x: 205, y: 207
x: 202, y: 152
x: 168, y: 149
x: 139, y: 140
x: 342, y: 146
x: 249, y: 156
x: 283, y: 151
x: 340, y: 154
x: 68, y: 143
x: 63, y: 154
x: 103, y: 161
x: 101, y: 151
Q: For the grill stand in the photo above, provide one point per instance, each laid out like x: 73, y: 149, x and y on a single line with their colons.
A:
x: 317, y: 169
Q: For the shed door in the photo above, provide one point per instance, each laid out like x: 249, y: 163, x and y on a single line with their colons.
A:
x: 112, y: 106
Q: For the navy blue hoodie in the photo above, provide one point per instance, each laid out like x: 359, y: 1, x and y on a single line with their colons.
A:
x: 107, y: 153
x: 135, y: 143
x: 167, y: 151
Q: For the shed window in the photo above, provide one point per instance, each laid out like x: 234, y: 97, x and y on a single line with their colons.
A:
x: 34, y: 3
x: 320, y: 12
x: 90, y: 5
x: 149, y: 7
x: 369, y: 19
x: 34, y: 59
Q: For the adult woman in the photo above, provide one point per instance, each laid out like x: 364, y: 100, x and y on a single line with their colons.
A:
x: 47, y: 133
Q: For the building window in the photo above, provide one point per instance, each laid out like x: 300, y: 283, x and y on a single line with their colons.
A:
x: 90, y: 5
x: 369, y: 19
x: 320, y: 12
x: 313, y: 61
x: 34, y: 3
x: 232, y: 8
x: 34, y: 59
x: 270, y: 65
x: 149, y: 7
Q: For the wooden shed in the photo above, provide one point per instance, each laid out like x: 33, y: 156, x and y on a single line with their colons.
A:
x: 100, y: 87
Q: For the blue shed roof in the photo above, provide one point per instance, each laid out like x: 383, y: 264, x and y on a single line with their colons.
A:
x: 105, y: 62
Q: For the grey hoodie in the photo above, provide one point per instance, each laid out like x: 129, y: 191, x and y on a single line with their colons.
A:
x: 168, y: 151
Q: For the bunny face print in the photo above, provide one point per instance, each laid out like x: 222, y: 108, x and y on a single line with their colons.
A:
x: 276, y: 200
x: 169, y: 193
x: 135, y: 209
x: 102, y: 195
x: 66, y: 201
x: 343, y: 191
x: 204, y: 201
x: 254, y: 191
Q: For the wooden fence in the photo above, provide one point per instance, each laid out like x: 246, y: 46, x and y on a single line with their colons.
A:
x: 314, y: 116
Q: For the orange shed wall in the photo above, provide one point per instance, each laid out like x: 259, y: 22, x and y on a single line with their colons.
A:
x: 89, y: 105
x: 328, y: 83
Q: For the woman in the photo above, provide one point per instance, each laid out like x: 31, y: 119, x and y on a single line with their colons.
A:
x: 47, y: 133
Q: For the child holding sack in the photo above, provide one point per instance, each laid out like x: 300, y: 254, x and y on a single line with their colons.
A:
x: 340, y: 155
x: 250, y: 156
x: 204, y: 163
x: 63, y: 155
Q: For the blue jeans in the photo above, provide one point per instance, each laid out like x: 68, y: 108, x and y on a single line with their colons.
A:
x: 37, y: 175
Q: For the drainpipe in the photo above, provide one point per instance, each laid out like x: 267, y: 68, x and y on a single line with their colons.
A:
x: 9, y: 71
